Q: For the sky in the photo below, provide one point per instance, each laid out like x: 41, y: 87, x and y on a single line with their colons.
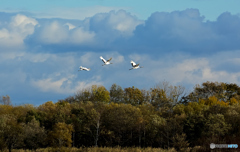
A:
x: 43, y: 43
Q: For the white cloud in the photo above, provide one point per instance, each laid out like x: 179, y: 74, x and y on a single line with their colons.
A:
x: 4, y: 33
x: 123, y: 22
x: 10, y: 40
x: 190, y: 71
x: 23, y: 25
x: 119, y: 22
x: 70, y: 26
x: 63, y: 85
x: 50, y: 85
x: 80, y: 36
x: 54, y: 33
x: 16, y: 31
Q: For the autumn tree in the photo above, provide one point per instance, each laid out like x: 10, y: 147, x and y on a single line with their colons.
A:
x: 145, y: 126
x: 222, y: 91
x: 159, y: 98
x: 61, y: 135
x: 94, y: 93
x: 100, y: 94
x: 3, y: 119
x: 133, y: 96
x: 46, y: 113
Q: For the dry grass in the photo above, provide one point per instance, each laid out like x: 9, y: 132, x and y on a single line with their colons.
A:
x: 98, y: 149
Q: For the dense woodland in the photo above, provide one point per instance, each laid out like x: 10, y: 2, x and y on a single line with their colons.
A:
x: 164, y: 116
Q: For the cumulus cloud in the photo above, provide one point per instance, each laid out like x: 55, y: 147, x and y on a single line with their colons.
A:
x: 53, y: 33
x: 119, y: 22
x: 186, y: 31
x: 96, y: 32
x: 23, y: 24
x: 12, y: 34
x: 183, y: 31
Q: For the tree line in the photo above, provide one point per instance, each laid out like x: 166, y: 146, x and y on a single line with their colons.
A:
x: 164, y: 116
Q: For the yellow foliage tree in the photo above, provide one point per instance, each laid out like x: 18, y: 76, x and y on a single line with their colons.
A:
x: 61, y: 135
x: 212, y: 100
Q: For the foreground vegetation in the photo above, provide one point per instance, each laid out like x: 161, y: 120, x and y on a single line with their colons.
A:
x: 163, y: 117
x: 98, y: 149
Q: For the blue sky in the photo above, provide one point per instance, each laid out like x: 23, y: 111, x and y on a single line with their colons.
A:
x: 42, y: 44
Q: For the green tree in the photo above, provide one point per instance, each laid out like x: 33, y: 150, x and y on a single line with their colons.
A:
x: 81, y: 120
x: 11, y: 131
x: 122, y: 121
x: 63, y: 111
x: 158, y: 124
x: 116, y: 93
x: 34, y: 135
x: 193, y: 127
x: 216, y: 126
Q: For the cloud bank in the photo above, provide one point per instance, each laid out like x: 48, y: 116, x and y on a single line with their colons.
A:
x: 40, y: 57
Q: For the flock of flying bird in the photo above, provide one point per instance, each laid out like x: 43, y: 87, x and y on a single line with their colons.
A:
x: 106, y: 62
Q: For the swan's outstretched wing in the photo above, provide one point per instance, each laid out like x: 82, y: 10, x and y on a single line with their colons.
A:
x: 109, y: 59
x: 104, y: 61
x: 136, y: 65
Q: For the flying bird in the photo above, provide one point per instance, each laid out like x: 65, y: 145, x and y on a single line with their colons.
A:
x: 135, y: 66
x: 104, y: 61
x: 83, y: 68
